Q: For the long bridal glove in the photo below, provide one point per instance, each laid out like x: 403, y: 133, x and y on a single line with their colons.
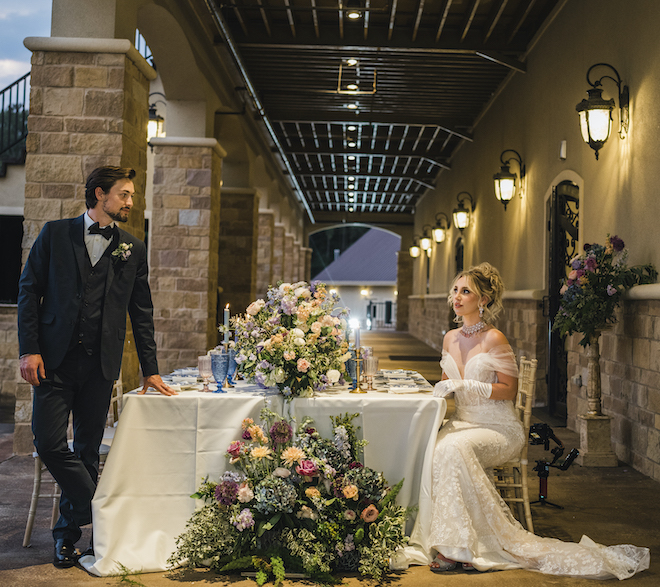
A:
x: 479, y: 388
x: 446, y: 387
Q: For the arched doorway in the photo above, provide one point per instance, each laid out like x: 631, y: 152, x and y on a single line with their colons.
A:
x: 563, y: 226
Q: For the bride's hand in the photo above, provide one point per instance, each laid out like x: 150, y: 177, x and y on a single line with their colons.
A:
x: 446, y: 387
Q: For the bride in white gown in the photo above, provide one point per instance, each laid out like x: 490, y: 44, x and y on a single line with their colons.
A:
x: 470, y: 523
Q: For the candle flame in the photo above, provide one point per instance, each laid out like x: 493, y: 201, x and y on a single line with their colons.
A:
x: 227, y: 307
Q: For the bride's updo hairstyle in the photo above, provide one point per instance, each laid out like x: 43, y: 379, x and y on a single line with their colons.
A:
x: 483, y: 280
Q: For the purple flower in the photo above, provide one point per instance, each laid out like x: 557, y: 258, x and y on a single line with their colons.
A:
x: 280, y: 432
x: 226, y: 492
x: 617, y: 244
x: 576, y: 263
x: 243, y: 520
x: 611, y: 290
x: 587, y: 246
x: 590, y: 264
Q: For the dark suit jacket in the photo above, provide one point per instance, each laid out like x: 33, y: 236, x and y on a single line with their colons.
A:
x: 50, y: 294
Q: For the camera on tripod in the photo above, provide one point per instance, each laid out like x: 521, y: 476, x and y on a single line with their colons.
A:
x: 541, y: 433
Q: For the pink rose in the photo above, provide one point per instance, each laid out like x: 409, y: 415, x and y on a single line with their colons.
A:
x: 563, y: 290
x: 235, y: 448
x: 303, y: 365
x: 245, y: 494
x: 307, y: 468
x: 350, y: 515
x: 573, y: 275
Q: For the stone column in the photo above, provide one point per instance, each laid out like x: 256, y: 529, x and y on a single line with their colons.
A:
x: 88, y: 107
x: 238, y: 244
x: 184, y: 247
x: 306, y: 264
x: 288, y: 258
x: 404, y: 279
x: 295, y: 263
x: 265, y: 252
x: 278, y: 253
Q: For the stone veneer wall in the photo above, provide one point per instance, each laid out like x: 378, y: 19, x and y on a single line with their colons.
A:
x: 630, y: 383
x: 238, y: 245
x: 288, y: 258
x: 88, y: 107
x: 10, y: 377
x: 278, y: 253
x: 265, y: 252
x: 306, y: 264
x: 184, y: 253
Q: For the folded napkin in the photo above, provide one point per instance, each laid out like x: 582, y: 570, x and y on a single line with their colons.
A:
x: 406, y: 388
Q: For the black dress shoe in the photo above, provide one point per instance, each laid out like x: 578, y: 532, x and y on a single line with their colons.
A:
x: 65, y: 553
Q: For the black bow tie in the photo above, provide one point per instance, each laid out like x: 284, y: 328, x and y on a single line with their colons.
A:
x: 105, y: 232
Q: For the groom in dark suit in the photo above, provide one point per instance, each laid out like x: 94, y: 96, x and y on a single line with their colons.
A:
x: 81, y: 277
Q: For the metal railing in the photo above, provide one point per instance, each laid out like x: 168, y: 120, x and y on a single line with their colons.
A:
x: 14, y: 107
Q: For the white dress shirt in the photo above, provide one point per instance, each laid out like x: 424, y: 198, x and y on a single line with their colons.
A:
x: 96, y: 243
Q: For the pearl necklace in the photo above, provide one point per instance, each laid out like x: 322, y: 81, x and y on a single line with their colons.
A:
x: 469, y: 331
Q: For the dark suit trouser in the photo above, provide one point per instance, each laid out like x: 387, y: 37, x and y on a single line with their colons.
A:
x: 77, y: 386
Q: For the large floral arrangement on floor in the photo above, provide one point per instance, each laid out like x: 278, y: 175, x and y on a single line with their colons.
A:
x: 292, y: 340
x: 297, y: 500
x: 593, y: 289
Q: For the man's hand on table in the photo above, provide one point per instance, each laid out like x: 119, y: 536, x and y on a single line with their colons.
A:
x: 156, y: 382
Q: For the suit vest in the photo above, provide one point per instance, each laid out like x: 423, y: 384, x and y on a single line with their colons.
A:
x: 88, y: 326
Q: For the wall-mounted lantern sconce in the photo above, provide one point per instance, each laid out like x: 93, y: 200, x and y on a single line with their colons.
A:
x: 415, y: 251
x: 425, y: 242
x: 505, y: 180
x: 596, y: 113
x: 441, y: 227
x: 156, y: 124
x: 462, y: 214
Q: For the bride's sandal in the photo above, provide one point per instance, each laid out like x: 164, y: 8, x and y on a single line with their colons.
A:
x: 440, y: 566
x: 468, y: 567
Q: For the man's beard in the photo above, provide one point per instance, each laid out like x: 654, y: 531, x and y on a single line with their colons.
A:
x: 118, y: 216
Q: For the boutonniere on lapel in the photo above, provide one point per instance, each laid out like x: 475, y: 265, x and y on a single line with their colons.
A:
x: 122, y: 252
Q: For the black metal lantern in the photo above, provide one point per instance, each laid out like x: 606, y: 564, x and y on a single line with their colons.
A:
x: 462, y: 214
x: 596, y: 113
x: 505, y: 181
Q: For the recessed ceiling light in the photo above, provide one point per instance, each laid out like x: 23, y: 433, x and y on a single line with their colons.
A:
x: 351, y: 186
x: 351, y: 199
x: 351, y: 106
x: 354, y: 14
x: 352, y: 61
x: 352, y: 86
x: 351, y: 178
x: 352, y: 144
x: 352, y: 128
x: 350, y: 209
x: 351, y: 157
x: 351, y: 194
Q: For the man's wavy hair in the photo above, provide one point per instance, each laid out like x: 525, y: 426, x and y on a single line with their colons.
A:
x: 104, y: 178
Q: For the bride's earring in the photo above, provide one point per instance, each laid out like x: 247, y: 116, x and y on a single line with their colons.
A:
x: 481, y: 311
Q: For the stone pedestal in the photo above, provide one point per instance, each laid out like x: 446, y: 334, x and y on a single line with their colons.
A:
x: 595, y: 442
x: 184, y: 247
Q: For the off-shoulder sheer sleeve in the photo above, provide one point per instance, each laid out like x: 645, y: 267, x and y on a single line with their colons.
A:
x: 501, y: 360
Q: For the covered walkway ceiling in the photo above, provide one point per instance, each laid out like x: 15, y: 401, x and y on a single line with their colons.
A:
x: 366, y: 112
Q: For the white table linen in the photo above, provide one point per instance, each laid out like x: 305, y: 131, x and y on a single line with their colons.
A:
x: 165, y: 446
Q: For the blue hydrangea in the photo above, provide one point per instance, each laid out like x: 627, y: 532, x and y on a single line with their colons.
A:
x: 274, y: 495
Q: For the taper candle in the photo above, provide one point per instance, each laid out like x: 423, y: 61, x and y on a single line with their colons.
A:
x: 226, y: 323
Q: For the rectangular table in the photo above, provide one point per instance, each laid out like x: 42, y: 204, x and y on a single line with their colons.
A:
x: 165, y: 446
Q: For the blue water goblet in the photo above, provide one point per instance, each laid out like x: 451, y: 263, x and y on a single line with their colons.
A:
x: 220, y: 366
x: 351, y: 366
x: 232, y: 367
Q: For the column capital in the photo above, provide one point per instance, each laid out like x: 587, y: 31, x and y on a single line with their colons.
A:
x: 87, y: 45
x: 209, y: 143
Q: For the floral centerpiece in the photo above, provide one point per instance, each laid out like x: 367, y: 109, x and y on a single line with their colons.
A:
x: 295, y: 339
x: 593, y: 288
x: 295, y: 499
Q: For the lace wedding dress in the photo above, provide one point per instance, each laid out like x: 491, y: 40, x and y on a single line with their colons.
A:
x: 469, y: 520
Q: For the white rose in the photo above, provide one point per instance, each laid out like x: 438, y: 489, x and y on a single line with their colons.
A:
x: 281, y: 472
x: 299, y: 341
x: 297, y: 333
x: 316, y: 328
x: 254, y: 307
x: 302, y: 292
x: 332, y: 375
x: 285, y: 287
